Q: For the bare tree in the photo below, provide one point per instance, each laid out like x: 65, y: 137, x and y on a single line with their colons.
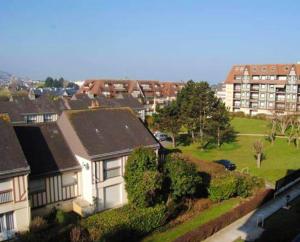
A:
x: 283, y: 123
x: 272, y: 134
x: 258, y: 149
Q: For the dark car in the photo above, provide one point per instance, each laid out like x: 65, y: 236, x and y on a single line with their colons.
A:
x: 227, y: 164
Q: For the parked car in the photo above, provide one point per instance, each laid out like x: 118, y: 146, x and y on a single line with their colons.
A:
x: 227, y: 164
x: 160, y: 136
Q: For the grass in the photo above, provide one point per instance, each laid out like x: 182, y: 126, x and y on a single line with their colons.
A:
x: 280, y: 158
x: 250, y: 126
x: 207, y: 215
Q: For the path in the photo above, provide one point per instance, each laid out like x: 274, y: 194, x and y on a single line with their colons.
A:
x: 262, y: 135
x: 246, y: 227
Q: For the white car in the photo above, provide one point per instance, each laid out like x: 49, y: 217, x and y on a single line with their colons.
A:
x: 160, y: 136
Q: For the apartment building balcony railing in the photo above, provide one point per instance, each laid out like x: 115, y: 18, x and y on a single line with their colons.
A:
x: 6, y: 196
x: 280, y: 99
x: 255, y: 97
x: 237, y: 97
x: 254, y: 88
x: 280, y: 107
x: 237, y: 88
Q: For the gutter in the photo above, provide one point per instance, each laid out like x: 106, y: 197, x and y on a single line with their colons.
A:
x: 117, y: 153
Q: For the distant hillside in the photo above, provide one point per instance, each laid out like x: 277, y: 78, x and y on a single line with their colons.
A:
x: 5, y: 77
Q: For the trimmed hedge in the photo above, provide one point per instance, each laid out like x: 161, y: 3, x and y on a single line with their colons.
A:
x: 124, y: 224
x: 231, y: 185
x: 219, y: 223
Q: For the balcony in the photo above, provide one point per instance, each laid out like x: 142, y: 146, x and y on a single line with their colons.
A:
x: 6, y: 196
x: 254, y: 88
x: 255, y: 97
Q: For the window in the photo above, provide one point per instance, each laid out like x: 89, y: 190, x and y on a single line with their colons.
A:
x: 31, y: 118
x: 6, y: 223
x: 111, y: 168
x: 48, y: 117
x: 37, y: 185
x: 69, y: 179
x: 6, y: 191
x: 5, y: 185
x: 263, y: 86
x: 271, y: 95
x: 262, y: 104
x: 270, y: 104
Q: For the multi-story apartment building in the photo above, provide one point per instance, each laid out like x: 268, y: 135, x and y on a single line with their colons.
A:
x: 267, y: 89
x: 151, y: 93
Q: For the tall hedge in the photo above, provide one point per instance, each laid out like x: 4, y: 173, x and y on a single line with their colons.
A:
x: 124, y: 224
x: 142, y: 179
x: 181, y: 176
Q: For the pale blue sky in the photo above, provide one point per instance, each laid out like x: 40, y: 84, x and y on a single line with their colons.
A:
x: 166, y: 40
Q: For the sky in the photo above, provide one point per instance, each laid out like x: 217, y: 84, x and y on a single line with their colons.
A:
x: 168, y: 40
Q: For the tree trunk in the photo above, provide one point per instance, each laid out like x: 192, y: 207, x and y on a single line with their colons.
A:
x: 173, y: 140
x: 258, y: 160
x: 193, y: 136
x: 218, y: 138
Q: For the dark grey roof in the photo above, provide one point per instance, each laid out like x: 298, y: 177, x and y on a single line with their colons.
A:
x: 105, y: 131
x: 45, y: 149
x: 82, y: 101
x: 12, y: 159
x: 19, y: 106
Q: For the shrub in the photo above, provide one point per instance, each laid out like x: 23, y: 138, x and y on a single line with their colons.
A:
x: 78, y: 234
x: 244, y: 186
x: 124, y: 224
x: 222, y: 188
x: 142, y: 179
x: 62, y: 217
x: 182, y: 176
x: 37, y: 223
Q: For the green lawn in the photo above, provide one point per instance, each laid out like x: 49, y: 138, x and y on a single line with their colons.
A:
x: 200, y: 219
x: 250, y: 126
x: 279, y: 158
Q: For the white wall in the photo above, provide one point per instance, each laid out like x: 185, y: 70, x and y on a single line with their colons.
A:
x: 86, y: 178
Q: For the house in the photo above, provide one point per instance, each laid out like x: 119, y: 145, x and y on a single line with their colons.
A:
x: 84, y: 101
x: 266, y: 89
x: 14, y: 170
x: 101, y: 140
x: 55, y: 178
x: 23, y: 110
x: 151, y: 93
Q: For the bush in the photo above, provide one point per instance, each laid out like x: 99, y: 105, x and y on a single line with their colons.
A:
x: 235, y: 184
x: 62, y: 217
x: 239, y: 114
x: 182, y: 177
x: 78, y: 234
x: 37, y: 224
x: 124, y: 224
x: 142, y: 179
x: 222, y: 188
